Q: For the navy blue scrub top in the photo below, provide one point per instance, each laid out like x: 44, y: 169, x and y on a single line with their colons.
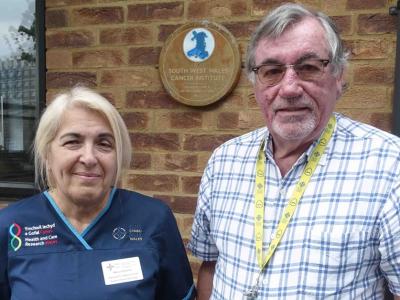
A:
x: 132, y: 250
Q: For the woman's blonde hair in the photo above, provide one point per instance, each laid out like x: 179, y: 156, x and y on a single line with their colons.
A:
x: 50, y: 123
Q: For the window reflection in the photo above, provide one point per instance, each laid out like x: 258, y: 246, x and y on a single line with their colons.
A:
x: 19, y: 106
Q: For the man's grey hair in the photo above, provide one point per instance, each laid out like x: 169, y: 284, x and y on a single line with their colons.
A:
x: 278, y: 20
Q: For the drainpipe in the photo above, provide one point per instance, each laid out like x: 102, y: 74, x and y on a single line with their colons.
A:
x: 395, y: 11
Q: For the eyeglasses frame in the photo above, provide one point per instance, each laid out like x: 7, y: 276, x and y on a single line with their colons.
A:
x: 255, y: 69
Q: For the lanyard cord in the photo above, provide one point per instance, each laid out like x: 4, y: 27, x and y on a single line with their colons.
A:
x: 291, y: 206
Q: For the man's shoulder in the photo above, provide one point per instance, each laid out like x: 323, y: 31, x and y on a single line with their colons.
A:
x: 355, y: 130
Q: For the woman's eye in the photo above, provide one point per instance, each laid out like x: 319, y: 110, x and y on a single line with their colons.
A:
x: 72, y: 142
x: 105, y: 145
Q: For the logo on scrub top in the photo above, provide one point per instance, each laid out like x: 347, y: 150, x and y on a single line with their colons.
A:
x: 119, y: 233
x: 15, y: 233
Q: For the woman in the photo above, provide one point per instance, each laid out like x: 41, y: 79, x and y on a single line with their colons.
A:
x: 82, y: 238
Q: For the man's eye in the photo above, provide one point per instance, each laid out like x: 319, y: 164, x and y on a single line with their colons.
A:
x: 270, y: 71
x: 308, y: 67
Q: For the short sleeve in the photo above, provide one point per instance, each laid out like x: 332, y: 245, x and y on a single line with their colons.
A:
x: 390, y: 241
x: 4, y: 285
x: 176, y: 279
x: 201, y: 243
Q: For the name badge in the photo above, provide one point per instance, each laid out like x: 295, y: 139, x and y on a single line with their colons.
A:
x: 121, y: 270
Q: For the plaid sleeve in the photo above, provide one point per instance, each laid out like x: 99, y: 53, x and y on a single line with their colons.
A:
x: 201, y: 243
x: 390, y: 240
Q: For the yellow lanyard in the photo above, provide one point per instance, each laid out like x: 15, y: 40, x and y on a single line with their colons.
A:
x: 291, y: 206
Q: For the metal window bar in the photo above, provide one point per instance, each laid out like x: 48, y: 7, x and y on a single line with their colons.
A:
x: 394, y: 11
x: 2, y: 123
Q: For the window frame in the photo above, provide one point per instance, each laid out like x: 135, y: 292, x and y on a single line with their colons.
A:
x: 11, y: 191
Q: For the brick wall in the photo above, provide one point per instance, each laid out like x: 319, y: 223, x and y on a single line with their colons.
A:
x: 113, y: 46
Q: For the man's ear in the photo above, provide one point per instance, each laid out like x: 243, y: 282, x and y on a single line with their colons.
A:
x: 341, y: 83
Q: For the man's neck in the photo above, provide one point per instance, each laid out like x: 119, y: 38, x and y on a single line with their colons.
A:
x: 286, y: 153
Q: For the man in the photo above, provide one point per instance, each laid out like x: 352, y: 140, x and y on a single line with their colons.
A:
x: 308, y: 207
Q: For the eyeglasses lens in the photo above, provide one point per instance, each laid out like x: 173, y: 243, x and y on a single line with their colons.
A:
x: 310, y: 70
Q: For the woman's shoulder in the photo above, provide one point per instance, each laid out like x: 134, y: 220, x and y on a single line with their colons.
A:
x: 22, y: 209
x: 22, y: 205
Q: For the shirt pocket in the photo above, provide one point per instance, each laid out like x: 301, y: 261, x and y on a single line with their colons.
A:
x: 335, y: 260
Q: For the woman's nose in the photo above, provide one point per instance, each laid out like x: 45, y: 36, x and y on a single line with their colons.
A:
x: 88, y: 155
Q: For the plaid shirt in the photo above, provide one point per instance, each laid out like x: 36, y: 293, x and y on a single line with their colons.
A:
x: 344, y: 239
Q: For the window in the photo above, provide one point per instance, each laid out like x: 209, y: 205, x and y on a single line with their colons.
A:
x: 22, y: 93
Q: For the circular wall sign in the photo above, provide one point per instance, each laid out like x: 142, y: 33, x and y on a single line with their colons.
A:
x: 199, y: 63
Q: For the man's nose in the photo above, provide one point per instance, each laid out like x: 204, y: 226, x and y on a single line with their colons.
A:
x: 290, y: 84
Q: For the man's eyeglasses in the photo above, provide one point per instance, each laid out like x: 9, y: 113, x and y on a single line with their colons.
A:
x: 308, y: 70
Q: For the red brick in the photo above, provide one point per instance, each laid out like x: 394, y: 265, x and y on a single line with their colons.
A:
x: 139, y: 78
x: 373, y: 75
x: 159, y: 183
x: 69, y: 79
x: 70, y: 39
x: 177, y: 162
x: 110, y: 97
x: 139, y: 35
x: 56, y: 18
x: 55, y: 3
x: 364, y: 97
x: 262, y: 6
x: 234, y: 100
x: 252, y: 100
x: 155, y: 141
x: 136, y: 120
x: 144, y: 55
x: 97, y: 15
x: 195, y: 265
x: 155, y: 11
x: 202, y: 9
x: 180, y: 204
x: 249, y: 120
x: 204, y: 142
x: 98, y: 58
x: 166, y: 30
x: 382, y: 121
x: 187, y: 225
x: 241, y: 29
x: 343, y: 23
x: 365, y: 4
x: 182, y: 120
x: 140, y: 161
x: 228, y: 120
x: 367, y: 49
x: 190, y: 184
x: 376, y: 23
x: 150, y: 99
x: 57, y: 58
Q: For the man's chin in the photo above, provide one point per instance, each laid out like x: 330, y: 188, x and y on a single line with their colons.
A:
x: 293, y: 130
